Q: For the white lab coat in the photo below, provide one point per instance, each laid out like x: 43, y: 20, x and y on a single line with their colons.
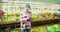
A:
x: 26, y: 23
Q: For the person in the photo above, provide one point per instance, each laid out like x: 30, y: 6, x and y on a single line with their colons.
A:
x: 25, y: 18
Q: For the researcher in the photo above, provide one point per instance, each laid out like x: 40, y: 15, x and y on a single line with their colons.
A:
x: 25, y: 18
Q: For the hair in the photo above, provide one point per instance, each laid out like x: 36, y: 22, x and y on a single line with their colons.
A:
x: 28, y: 6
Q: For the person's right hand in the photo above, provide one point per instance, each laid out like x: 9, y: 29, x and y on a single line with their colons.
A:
x: 22, y: 20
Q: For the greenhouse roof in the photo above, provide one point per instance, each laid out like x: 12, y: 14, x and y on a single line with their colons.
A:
x: 44, y: 1
x: 41, y: 1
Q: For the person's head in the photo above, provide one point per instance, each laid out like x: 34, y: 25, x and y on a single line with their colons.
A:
x: 27, y: 9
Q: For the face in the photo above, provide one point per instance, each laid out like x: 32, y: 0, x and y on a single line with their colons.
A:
x: 27, y: 10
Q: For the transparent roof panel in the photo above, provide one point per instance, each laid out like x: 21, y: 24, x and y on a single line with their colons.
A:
x: 44, y: 1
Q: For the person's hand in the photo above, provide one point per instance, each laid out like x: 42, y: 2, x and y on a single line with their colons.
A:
x: 31, y: 20
x: 25, y: 16
x: 23, y: 20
